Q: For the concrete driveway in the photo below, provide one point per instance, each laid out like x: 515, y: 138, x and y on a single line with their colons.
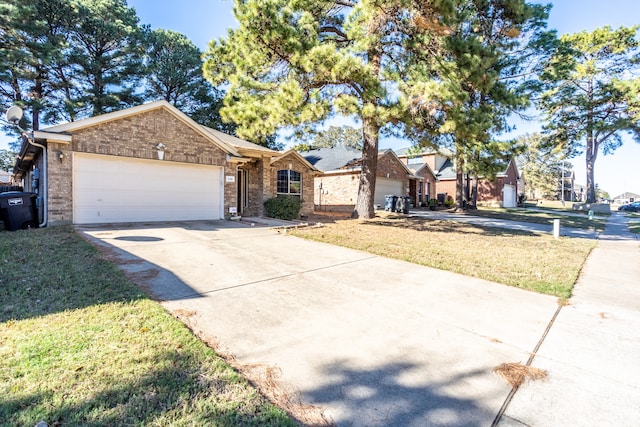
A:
x: 370, y: 340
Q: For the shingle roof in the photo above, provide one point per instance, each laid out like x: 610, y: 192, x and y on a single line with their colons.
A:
x: 447, y: 171
x: 237, y: 142
x: 329, y: 159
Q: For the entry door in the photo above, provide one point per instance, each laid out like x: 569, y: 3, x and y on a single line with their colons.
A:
x: 243, y: 190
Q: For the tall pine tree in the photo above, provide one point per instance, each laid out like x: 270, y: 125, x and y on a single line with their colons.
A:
x: 593, y: 94
x: 295, y: 62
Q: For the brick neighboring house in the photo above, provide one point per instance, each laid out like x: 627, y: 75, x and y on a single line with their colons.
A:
x: 503, y: 190
x: 337, y: 188
x: 154, y: 163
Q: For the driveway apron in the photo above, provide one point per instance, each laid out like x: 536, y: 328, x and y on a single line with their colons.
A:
x: 370, y: 340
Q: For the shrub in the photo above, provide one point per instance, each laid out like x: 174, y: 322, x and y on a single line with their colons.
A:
x: 283, y: 207
x: 449, y: 202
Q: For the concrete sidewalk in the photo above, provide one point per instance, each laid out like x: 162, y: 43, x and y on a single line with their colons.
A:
x: 503, y: 223
x: 592, y: 351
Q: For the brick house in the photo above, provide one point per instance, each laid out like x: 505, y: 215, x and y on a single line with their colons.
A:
x: 154, y: 163
x: 337, y: 188
x: 502, y: 190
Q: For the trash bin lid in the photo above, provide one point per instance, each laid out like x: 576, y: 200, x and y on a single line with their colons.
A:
x: 12, y: 194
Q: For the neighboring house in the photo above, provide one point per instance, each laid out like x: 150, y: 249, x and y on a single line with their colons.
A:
x: 337, y: 188
x: 626, y: 197
x: 503, y: 190
x: 423, y: 183
x: 154, y: 163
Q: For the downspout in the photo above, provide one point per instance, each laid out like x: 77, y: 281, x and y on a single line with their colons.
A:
x: 44, y: 184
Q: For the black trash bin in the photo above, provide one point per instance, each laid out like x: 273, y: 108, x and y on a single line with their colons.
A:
x: 408, y: 204
x: 18, y: 210
x: 390, y: 202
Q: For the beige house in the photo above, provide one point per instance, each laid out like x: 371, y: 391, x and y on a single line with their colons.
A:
x: 154, y: 163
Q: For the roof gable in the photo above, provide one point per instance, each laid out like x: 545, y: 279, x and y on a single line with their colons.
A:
x: 298, y: 156
x: 144, y: 108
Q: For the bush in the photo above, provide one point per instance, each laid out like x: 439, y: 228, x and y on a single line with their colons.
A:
x: 449, y: 202
x: 283, y: 207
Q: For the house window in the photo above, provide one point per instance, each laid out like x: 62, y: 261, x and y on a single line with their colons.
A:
x: 414, y: 160
x: 289, y: 182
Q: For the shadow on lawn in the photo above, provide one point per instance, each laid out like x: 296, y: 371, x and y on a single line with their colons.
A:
x: 378, y: 396
x: 181, y: 391
x: 445, y: 226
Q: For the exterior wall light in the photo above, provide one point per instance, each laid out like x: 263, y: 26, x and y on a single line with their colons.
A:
x: 161, y: 147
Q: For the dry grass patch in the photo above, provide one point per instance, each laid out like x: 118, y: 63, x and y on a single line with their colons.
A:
x: 516, y: 373
x: 529, y: 261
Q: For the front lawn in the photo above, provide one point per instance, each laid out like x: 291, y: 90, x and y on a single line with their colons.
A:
x: 529, y: 261
x: 81, y: 345
x: 539, y: 217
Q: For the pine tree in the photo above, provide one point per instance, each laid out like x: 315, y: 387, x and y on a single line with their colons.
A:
x: 593, y: 94
x: 483, y: 77
x: 297, y: 62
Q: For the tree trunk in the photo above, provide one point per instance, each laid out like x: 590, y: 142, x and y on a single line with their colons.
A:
x: 467, y: 190
x: 591, y: 185
x: 370, y: 132
x: 459, y: 181
x: 591, y: 155
x: 366, y: 189
x: 474, y: 193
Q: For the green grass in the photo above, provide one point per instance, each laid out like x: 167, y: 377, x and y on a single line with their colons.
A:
x: 81, y: 345
x: 529, y: 261
x: 523, y: 215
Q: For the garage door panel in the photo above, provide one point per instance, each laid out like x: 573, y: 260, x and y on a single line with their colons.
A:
x: 120, y: 189
x: 385, y: 186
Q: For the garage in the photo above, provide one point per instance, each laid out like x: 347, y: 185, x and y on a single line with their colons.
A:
x: 386, y: 186
x: 509, y: 196
x: 112, y: 189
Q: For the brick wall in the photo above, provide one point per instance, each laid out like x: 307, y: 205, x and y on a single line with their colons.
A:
x: 337, y: 192
x: 60, y: 192
x: 390, y: 167
x: 293, y: 163
x: 446, y: 186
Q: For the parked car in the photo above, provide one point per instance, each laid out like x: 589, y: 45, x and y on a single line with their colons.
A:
x: 630, y: 207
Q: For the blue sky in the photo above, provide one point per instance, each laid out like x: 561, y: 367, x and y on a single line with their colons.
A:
x: 204, y: 20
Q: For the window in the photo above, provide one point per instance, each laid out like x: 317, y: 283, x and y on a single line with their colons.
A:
x: 414, y: 160
x: 289, y: 182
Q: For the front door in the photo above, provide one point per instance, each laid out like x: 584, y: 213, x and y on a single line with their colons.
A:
x: 243, y: 190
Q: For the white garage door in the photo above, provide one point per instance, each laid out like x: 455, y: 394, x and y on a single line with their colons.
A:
x: 386, y: 186
x: 110, y: 189
x: 509, y: 196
